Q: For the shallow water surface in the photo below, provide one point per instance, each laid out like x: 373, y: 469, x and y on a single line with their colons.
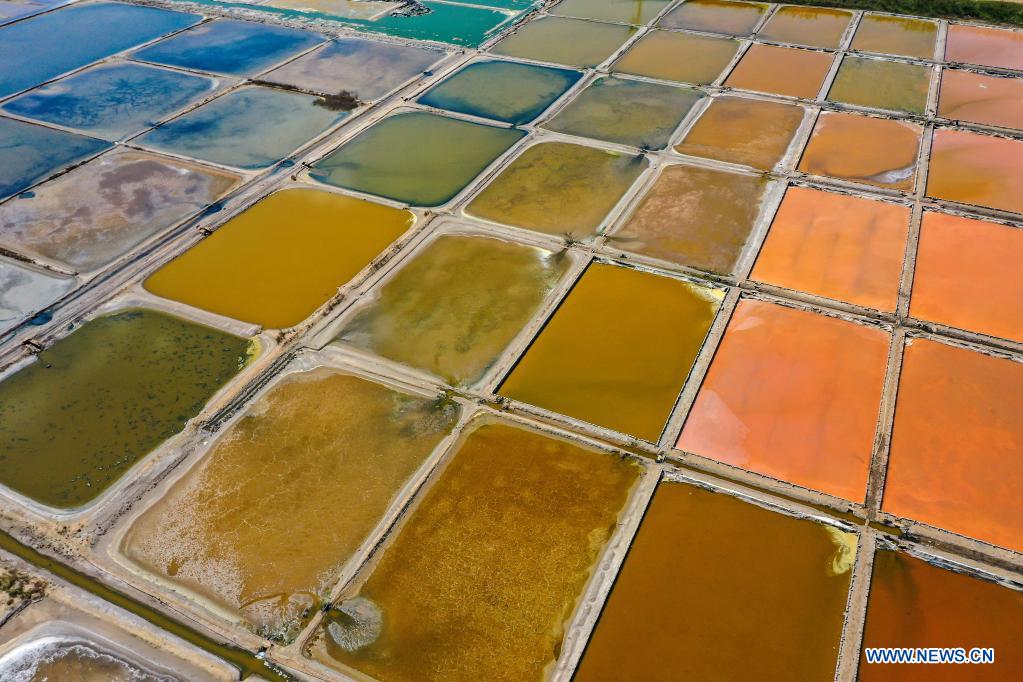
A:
x: 841, y: 247
x: 966, y: 275
x: 368, y: 69
x: 30, y: 153
x: 636, y: 12
x: 415, y: 157
x: 984, y: 46
x: 680, y: 57
x: 899, y: 36
x: 95, y: 214
x: 744, y: 131
x: 879, y: 84
x: 917, y: 604
x: 688, y: 586
x: 980, y: 98
x: 629, y: 112
x: 953, y: 462
x: 41, y: 48
x: 558, y: 188
x: 781, y: 71
x: 694, y: 216
x: 78, y: 660
x: 572, y: 42
x: 468, y: 25
x: 19, y: 9
x: 114, y: 100
x: 716, y: 16
x: 97, y: 401
x: 24, y: 291
x: 480, y: 579
x: 503, y: 91
x: 352, y: 9
x: 811, y: 26
x: 596, y: 359
x: 456, y: 305
x: 874, y: 151
x: 812, y: 417
x: 976, y: 169
x: 264, y: 522
x: 249, y: 128
x: 281, y: 259
x: 236, y: 48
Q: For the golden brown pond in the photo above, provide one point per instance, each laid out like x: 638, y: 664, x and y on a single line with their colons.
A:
x: 263, y: 524
x: 781, y: 71
x: 916, y: 604
x: 682, y: 57
x: 479, y: 581
x: 745, y: 131
x: 283, y: 258
x: 596, y: 360
x: 733, y: 591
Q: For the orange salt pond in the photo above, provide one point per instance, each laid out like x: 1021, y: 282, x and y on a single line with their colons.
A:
x: 480, y: 579
x: 976, y: 169
x: 694, y: 216
x: 882, y: 84
x: 837, y: 246
x: 743, y: 131
x: 898, y: 36
x: 874, y: 151
x: 980, y: 98
x: 280, y: 260
x: 968, y: 276
x: 811, y: 26
x: 681, y: 57
x: 781, y: 71
x: 792, y: 395
x: 954, y: 460
x: 690, y: 586
x: 716, y: 16
x: 596, y: 360
x: 984, y: 46
x: 917, y: 604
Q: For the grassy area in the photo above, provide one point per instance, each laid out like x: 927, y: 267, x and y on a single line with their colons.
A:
x: 978, y: 10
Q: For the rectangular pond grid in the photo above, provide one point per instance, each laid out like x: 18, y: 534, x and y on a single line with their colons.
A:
x: 915, y: 297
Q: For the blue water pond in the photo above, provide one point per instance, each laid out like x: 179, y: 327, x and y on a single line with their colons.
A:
x: 38, y: 49
x: 30, y: 153
x: 503, y: 91
x: 19, y: 9
x: 250, y: 128
x: 112, y: 101
x: 237, y: 48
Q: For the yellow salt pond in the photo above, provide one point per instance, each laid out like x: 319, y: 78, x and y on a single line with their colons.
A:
x: 280, y: 260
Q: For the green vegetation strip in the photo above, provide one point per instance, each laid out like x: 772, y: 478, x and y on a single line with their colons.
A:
x: 247, y: 663
x: 979, y: 10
